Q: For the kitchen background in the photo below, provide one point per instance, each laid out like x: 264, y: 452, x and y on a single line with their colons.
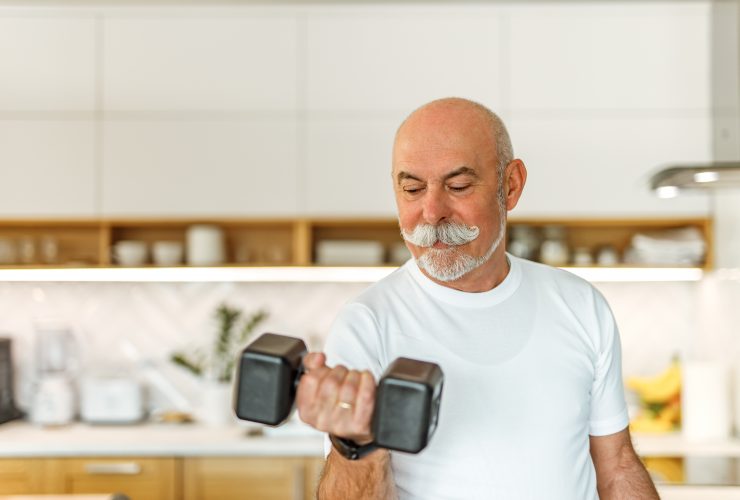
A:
x: 246, y: 109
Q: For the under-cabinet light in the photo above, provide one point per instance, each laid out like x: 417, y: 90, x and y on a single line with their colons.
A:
x: 299, y: 274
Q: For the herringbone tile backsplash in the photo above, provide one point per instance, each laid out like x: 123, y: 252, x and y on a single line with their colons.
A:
x: 126, y: 324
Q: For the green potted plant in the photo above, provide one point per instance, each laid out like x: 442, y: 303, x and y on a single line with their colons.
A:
x: 216, y: 364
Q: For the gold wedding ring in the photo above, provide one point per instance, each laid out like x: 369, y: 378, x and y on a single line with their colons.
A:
x: 345, y: 406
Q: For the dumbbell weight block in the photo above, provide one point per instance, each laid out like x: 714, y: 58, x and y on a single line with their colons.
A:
x: 268, y: 373
x: 407, y: 405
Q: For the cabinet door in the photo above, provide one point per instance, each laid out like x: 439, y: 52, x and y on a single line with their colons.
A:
x: 244, y: 478
x: 47, y: 63
x: 200, y: 168
x: 375, y: 59
x: 138, y: 478
x: 48, y: 168
x: 188, y: 61
x: 21, y: 476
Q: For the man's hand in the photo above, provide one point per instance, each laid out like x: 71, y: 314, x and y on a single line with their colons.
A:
x: 336, y: 400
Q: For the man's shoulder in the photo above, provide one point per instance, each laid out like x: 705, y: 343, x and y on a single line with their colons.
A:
x: 386, y: 289
x: 559, y: 280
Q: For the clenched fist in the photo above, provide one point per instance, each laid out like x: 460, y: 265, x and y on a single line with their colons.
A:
x: 336, y: 400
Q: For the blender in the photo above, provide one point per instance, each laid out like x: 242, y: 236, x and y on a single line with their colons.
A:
x: 54, y: 401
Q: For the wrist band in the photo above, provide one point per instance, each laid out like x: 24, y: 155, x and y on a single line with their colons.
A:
x: 351, y: 450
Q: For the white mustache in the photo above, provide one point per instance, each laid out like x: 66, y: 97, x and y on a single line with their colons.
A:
x: 449, y: 233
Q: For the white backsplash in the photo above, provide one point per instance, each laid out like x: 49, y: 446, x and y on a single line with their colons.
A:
x: 656, y: 320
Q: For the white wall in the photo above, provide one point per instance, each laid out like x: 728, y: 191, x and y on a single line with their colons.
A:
x: 287, y: 110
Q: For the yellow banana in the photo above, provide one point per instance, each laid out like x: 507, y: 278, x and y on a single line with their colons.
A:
x: 661, y: 388
x: 650, y: 425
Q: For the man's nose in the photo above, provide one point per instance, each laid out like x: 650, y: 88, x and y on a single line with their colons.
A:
x: 436, y: 206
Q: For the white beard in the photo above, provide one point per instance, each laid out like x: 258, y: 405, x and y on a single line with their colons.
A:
x: 450, y: 264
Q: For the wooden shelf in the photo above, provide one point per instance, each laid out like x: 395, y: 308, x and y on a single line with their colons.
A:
x: 278, y: 241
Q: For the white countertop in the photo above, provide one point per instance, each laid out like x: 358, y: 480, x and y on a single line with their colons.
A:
x: 20, y: 439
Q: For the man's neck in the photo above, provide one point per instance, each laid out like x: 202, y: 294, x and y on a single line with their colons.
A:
x: 481, y: 279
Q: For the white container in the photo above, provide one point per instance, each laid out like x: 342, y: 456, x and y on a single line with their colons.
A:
x: 130, y: 252
x: 205, y: 245
x: 705, y: 401
x: 216, y: 405
x: 349, y: 253
x: 167, y: 253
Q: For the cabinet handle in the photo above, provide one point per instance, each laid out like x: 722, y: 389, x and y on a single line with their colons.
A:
x: 121, y: 468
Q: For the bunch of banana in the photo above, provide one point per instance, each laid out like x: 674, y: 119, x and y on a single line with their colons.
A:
x: 660, y: 388
x: 661, y: 400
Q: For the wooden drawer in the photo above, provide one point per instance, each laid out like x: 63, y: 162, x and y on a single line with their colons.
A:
x: 21, y: 476
x: 247, y: 479
x: 138, y: 478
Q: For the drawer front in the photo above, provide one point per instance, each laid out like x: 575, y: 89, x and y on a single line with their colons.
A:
x: 138, y: 478
x: 244, y: 478
x: 20, y: 476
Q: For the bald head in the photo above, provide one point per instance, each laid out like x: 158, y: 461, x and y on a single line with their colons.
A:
x: 454, y: 115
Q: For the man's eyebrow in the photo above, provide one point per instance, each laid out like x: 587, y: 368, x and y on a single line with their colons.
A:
x: 403, y: 175
x: 462, y: 171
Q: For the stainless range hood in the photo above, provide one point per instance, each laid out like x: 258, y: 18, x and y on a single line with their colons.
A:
x: 670, y: 181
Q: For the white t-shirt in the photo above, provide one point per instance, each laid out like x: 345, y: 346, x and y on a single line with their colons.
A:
x: 531, y: 368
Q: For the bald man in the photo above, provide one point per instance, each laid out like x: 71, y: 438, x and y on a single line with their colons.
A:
x: 533, y: 406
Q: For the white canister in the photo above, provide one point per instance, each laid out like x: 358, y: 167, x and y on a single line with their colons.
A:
x: 705, y: 400
x: 205, y: 245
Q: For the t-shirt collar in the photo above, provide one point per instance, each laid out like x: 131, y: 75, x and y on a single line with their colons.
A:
x: 498, y: 294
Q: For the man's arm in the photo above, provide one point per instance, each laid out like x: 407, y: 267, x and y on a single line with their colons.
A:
x: 620, y: 474
x: 320, y: 392
x: 368, y: 478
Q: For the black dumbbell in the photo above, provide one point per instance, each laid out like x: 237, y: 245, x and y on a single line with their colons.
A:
x: 406, y: 402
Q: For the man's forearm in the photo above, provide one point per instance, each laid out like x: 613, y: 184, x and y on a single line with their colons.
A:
x: 368, y: 478
x: 632, y: 482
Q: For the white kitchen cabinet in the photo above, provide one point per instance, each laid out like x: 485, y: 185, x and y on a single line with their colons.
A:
x: 199, y: 168
x: 46, y: 63
x: 599, y: 167
x: 610, y: 56
x: 348, y: 167
x: 47, y: 168
x: 396, y: 58
x: 200, y: 61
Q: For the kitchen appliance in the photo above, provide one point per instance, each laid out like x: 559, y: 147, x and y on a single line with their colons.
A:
x: 8, y: 410
x: 111, y: 400
x: 54, y: 400
x: 720, y: 175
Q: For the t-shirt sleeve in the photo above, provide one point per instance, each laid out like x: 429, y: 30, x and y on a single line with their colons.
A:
x: 353, y: 342
x: 608, y: 406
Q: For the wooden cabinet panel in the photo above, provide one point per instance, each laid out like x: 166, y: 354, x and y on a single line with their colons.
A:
x: 21, y: 476
x: 244, y: 479
x: 138, y: 478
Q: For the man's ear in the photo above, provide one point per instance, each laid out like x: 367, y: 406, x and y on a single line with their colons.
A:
x: 515, y: 176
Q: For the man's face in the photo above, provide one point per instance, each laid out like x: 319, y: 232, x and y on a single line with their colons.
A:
x: 444, y: 171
